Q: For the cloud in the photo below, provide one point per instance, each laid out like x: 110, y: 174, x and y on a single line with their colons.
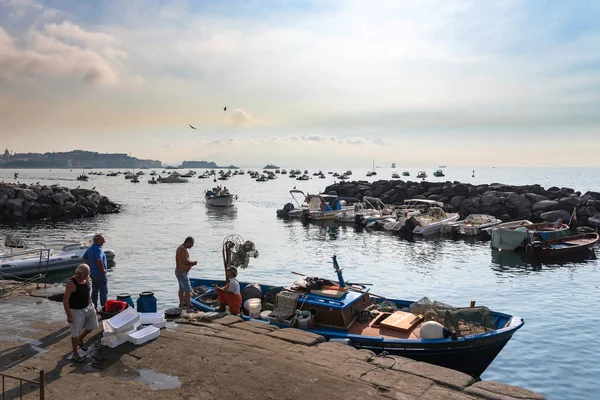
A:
x: 240, y: 117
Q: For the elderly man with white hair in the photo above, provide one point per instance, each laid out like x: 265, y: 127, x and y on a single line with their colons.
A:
x: 96, y: 259
x: 81, y: 314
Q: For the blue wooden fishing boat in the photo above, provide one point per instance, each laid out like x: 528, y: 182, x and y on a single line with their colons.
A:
x: 346, y: 312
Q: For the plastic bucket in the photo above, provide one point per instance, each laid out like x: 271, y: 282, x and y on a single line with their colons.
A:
x: 254, y: 308
x: 126, y: 297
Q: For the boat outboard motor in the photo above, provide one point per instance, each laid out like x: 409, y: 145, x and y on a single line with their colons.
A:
x: 285, y: 211
x: 409, y: 225
x: 536, y: 248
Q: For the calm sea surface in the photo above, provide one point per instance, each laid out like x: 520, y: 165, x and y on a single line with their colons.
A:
x: 556, y: 353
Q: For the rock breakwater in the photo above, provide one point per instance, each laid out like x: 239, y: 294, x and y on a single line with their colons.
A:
x: 506, y: 202
x: 22, y: 202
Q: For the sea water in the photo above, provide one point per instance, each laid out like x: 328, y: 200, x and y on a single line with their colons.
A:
x: 555, y: 353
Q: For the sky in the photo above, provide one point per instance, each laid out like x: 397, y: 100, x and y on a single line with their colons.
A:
x: 319, y: 83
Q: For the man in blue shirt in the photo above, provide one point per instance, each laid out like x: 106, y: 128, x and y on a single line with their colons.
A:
x: 96, y: 259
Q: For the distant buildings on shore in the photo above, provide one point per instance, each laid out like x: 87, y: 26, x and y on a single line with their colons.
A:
x: 74, y: 159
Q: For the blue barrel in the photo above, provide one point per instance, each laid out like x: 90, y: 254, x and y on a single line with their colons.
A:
x: 126, y: 297
x: 146, y: 302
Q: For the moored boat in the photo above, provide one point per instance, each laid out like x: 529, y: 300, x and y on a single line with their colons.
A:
x: 561, y: 248
x: 468, y: 341
x: 473, y: 225
x: 513, y: 237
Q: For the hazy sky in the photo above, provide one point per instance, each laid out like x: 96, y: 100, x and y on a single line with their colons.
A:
x: 315, y: 83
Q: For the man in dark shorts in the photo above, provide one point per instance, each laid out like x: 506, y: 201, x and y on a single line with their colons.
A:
x: 183, y: 264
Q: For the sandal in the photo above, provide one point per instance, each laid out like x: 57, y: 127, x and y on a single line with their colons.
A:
x: 77, y: 359
x: 82, y: 346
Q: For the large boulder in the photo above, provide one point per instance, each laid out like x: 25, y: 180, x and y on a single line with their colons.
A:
x: 456, y: 201
x: 27, y: 194
x: 535, y: 198
x: 518, y: 202
x: 61, y: 197
x: 568, y: 203
x: 3, y: 199
x: 594, y: 221
x: 551, y: 216
x: 545, y: 205
x: 14, y: 204
x: 470, y: 206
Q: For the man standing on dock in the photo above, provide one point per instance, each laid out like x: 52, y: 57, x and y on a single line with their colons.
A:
x: 96, y: 259
x: 183, y: 264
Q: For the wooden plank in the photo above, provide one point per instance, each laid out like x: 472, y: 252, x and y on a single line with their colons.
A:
x: 328, y: 293
x: 402, y: 321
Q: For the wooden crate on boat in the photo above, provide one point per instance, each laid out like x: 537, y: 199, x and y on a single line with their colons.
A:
x: 402, y: 321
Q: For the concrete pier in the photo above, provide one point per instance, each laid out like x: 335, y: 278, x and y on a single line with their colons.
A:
x: 224, y: 358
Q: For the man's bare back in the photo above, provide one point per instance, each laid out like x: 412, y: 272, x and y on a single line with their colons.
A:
x: 182, y: 259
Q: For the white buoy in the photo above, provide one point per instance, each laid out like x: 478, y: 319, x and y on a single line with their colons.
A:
x: 432, y: 330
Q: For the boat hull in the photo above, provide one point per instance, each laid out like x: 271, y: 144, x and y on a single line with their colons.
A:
x: 58, y: 262
x: 470, y: 354
x: 221, y: 201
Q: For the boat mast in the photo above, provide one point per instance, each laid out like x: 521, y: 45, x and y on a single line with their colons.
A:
x: 338, y: 271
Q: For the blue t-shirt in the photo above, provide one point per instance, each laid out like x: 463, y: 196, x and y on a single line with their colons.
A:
x: 93, y: 253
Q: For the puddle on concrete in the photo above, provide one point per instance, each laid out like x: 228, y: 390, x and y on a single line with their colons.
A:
x: 157, y: 380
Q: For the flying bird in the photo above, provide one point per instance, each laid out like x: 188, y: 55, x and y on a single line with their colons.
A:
x: 94, y: 188
x: 193, y: 127
x: 225, y: 108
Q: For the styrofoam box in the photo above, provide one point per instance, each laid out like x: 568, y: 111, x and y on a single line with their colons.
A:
x: 108, y: 331
x: 144, y: 335
x: 161, y: 325
x: 151, y: 318
x: 124, y: 321
x: 113, y: 341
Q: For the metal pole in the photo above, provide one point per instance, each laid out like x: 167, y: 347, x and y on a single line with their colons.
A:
x: 21, y: 389
x: 42, y: 384
x: 3, y: 391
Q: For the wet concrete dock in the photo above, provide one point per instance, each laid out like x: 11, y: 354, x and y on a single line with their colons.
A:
x: 223, y: 358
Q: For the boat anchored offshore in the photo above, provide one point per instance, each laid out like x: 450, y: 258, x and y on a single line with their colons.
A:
x: 219, y: 197
x: 465, y: 339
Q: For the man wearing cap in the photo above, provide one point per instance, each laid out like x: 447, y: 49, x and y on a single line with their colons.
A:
x: 96, y: 259
x: 230, y: 294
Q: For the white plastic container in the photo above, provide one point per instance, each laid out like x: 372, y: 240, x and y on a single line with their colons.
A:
x: 254, y: 308
x: 113, y: 341
x: 304, y: 322
x: 108, y: 331
x: 144, y: 335
x: 160, y: 325
x: 124, y: 321
x: 152, y: 318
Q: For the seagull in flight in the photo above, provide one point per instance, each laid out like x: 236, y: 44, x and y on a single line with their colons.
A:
x: 193, y: 127
x: 225, y: 108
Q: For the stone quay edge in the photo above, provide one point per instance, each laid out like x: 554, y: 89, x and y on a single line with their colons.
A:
x: 223, y: 358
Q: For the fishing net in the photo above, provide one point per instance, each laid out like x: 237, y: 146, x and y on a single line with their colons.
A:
x: 463, y: 321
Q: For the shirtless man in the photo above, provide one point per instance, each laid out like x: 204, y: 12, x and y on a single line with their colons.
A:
x: 183, y: 266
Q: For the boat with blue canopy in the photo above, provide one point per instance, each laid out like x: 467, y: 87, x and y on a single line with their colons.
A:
x: 465, y: 339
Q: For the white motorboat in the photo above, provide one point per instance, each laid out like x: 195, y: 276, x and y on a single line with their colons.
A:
x: 219, y: 197
x: 422, y: 174
x: 318, y: 207
x: 174, y: 177
x: 46, y: 256
x: 511, y: 237
x: 473, y: 225
x: 357, y: 214
x: 432, y: 222
x: 410, y: 208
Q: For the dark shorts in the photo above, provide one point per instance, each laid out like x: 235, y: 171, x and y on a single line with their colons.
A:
x: 184, y: 281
